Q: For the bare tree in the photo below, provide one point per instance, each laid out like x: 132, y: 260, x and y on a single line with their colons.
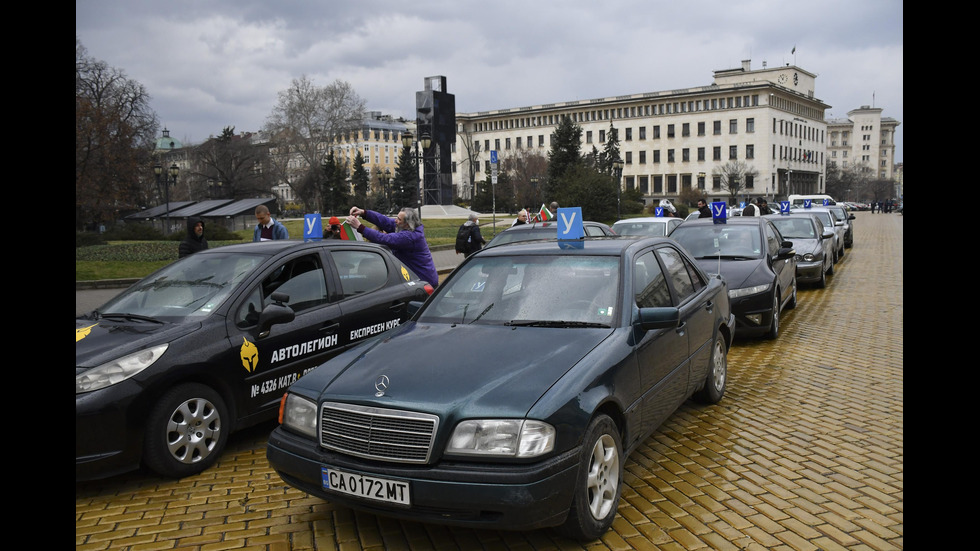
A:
x: 114, y: 131
x: 470, y: 162
x: 733, y: 176
x: 231, y: 166
x: 304, y: 124
x: 527, y: 170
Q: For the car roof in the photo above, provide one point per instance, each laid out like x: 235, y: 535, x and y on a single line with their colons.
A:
x: 736, y: 220
x: 272, y: 248
x: 550, y: 224
x: 663, y: 219
x: 605, y: 245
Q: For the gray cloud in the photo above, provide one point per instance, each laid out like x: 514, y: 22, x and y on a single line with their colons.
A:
x: 221, y: 63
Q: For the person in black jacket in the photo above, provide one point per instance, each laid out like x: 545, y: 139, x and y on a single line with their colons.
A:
x: 703, y: 209
x: 195, y: 240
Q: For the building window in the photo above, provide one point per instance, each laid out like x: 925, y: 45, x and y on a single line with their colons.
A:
x: 750, y: 125
x: 643, y: 132
x: 656, y: 155
x: 716, y: 183
x: 733, y: 126
x: 588, y: 136
x: 643, y: 157
x: 733, y: 152
x: 629, y: 157
x: 750, y: 151
x: 700, y: 153
x: 656, y: 132
x: 716, y: 128
x: 716, y: 153
x: 686, y: 155
x: 602, y: 136
x: 749, y: 181
x: 686, y: 129
x: 629, y: 134
x: 517, y: 143
x: 672, y: 183
x: 644, y: 185
x: 496, y: 144
x: 670, y: 131
x: 670, y: 155
x: 658, y: 184
x: 701, y: 129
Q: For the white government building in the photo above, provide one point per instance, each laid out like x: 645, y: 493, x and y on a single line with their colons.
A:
x: 770, y: 119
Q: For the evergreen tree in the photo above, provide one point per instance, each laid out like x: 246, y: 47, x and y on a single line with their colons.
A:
x: 610, y: 152
x: 566, y: 143
x: 359, y: 179
x: 405, y: 184
x: 334, y: 188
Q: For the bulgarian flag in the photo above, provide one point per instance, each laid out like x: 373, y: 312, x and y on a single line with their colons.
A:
x: 544, y: 214
x: 348, y: 233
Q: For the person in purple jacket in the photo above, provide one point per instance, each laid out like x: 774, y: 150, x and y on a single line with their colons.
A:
x: 404, y: 235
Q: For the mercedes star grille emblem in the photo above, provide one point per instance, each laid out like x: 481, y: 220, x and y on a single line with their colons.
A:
x: 381, y: 385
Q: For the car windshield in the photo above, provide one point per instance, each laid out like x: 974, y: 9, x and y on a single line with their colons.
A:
x: 795, y: 228
x: 548, y: 290
x: 726, y: 240
x: 192, y: 287
x: 655, y: 229
x: 826, y: 218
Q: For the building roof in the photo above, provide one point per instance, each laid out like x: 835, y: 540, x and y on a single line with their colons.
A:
x: 158, y: 211
x: 241, y: 206
x: 200, y: 207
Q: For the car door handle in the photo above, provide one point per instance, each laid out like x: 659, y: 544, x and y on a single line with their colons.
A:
x: 681, y: 328
x: 397, y: 306
x: 330, y: 326
x: 709, y: 306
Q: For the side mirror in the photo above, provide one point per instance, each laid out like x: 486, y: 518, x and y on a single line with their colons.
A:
x: 786, y: 250
x: 413, y: 307
x: 659, y: 318
x: 276, y: 312
x: 827, y: 234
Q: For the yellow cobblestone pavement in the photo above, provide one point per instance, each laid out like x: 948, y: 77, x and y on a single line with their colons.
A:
x: 805, y: 452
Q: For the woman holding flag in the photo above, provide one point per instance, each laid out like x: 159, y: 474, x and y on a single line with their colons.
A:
x: 404, y: 235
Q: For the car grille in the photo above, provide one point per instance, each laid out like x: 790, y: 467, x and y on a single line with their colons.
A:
x: 376, y: 433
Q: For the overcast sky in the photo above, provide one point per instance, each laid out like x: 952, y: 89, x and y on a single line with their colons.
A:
x: 208, y: 64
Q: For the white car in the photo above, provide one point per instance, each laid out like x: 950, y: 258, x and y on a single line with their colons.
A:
x: 653, y: 226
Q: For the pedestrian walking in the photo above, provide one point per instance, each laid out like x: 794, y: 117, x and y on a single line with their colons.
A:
x: 872, y: 207
x: 195, y: 240
x: 468, y: 237
x: 752, y: 209
x: 404, y: 235
x: 268, y: 228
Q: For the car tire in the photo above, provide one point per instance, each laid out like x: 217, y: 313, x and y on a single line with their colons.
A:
x: 822, y: 282
x: 792, y: 298
x: 599, y: 482
x: 830, y: 270
x: 774, y: 324
x: 186, y: 431
x: 717, y: 378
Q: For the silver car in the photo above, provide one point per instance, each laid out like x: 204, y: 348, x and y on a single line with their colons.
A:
x: 814, y: 245
x: 829, y: 222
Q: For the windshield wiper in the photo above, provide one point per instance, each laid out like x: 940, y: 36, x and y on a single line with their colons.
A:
x: 554, y: 323
x: 135, y: 317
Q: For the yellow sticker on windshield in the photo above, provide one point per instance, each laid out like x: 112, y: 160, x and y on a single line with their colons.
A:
x: 83, y: 332
x: 405, y: 274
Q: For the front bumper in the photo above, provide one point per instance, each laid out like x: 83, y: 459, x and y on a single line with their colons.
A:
x: 476, y: 495
x: 809, y: 272
x: 753, y: 314
x: 108, y: 438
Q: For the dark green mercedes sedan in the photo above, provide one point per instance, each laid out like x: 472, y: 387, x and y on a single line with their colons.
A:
x: 515, y: 393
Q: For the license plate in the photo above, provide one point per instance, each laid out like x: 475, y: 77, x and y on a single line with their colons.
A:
x: 368, y: 487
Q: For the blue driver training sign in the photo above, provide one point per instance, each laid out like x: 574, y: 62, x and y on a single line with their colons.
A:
x: 312, y: 227
x: 570, y: 223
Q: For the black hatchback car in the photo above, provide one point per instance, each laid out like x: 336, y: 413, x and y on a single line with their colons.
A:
x: 209, y: 344
x: 756, y: 261
x: 512, y: 398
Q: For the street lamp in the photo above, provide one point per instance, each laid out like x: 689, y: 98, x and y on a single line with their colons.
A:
x: 408, y: 140
x: 618, y: 168
x: 387, y: 181
x: 169, y: 180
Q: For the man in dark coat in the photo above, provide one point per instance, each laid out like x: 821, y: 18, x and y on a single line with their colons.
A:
x: 195, y: 240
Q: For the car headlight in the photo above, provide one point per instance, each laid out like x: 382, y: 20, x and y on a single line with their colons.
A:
x: 117, y: 370
x: 298, y: 414
x: 746, y: 291
x: 502, y: 437
x: 808, y: 257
